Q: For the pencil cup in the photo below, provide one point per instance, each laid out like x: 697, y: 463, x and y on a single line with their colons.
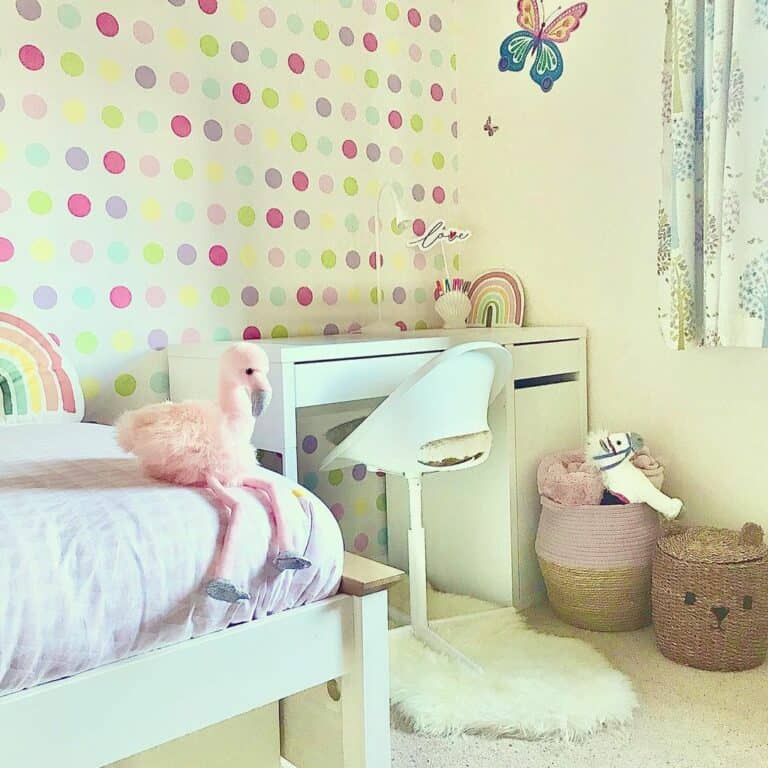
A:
x: 454, y: 308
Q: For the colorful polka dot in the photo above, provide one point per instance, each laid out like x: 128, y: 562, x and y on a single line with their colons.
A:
x: 31, y: 57
x: 218, y: 255
x: 120, y: 297
x: 107, y: 24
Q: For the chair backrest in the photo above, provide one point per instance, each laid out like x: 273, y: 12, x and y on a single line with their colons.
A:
x: 445, y: 399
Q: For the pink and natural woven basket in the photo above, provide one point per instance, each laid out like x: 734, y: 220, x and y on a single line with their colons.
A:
x: 596, y: 562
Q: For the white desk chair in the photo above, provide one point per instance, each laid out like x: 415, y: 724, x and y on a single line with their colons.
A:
x: 435, y: 421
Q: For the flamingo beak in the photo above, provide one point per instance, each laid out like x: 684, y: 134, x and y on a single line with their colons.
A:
x: 261, y: 395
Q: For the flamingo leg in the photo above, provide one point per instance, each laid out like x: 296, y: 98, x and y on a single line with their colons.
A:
x: 221, y: 587
x: 286, y: 558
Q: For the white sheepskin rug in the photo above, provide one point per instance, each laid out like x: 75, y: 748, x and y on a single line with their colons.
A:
x: 534, y: 686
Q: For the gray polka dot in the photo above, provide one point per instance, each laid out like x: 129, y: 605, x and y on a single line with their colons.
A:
x: 323, y: 107
x: 250, y: 296
x: 212, y: 130
x: 186, y: 253
x: 347, y: 36
x: 77, y: 158
x: 435, y: 23
x: 398, y: 295
x: 28, y: 9
x: 418, y: 192
x: 373, y: 151
x: 395, y: 83
x: 145, y: 76
x: 239, y: 51
x: 455, y: 130
x: 116, y: 207
x: 177, y: 3
x: 353, y: 259
x: 274, y: 178
x: 2, y: 102
x: 301, y: 220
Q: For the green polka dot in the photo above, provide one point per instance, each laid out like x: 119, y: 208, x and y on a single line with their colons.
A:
x: 277, y: 296
x: 40, y: 202
x: 222, y: 334
x: 351, y: 186
x: 375, y: 296
x: 83, y: 297
x: 421, y: 325
x: 209, y: 45
x: 320, y: 28
x: 328, y: 259
x: 270, y: 97
x: 220, y: 296
x: 86, y: 342
x: 382, y: 537
x: 455, y: 162
x: 72, y: 64
x: 393, y: 11
x: 268, y: 58
x: 324, y: 146
x: 246, y: 216
x: 158, y: 382
x: 37, y: 155
x: 335, y: 477
x: 299, y: 142
x: 346, y: 3
x: 416, y: 88
x: 125, y: 385
x: 438, y: 161
x: 417, y: 123
x: 436, y: 58
x: 211, y: 88
x: 153, y: 253
x: 69, y: 16
x: 352, y: 223
x: 185, y: 212
x: 453, y: 61
x: 396, y: 230
x: 244, y: 175
x: 112, y: 117
x: 303, y: 258
x: 117, y: 252
x: 7, y: 297
x: 372, y: 115
x: 279, y: 332
x: 147, y: 121
x: 419, y: 295
x: 381, y: 502
x: 295, y: 24
x: 371, y: 78
x: 182, y: 169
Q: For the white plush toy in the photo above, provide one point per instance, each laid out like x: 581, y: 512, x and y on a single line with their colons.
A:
x: 611, y: 453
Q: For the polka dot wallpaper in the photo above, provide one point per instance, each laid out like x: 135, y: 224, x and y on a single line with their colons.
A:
x: 186, y: 170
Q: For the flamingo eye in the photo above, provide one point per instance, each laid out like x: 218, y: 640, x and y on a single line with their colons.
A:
x: 249, y: 371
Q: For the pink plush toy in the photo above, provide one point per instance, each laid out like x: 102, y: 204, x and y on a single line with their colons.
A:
x: 198, y: 442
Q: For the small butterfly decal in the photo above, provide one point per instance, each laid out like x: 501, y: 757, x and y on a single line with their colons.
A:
x: 489, y: 128
x: 539, y: 39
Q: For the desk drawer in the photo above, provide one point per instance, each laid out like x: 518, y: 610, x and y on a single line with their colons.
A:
x: 548, y: 359
x: 360, y: 378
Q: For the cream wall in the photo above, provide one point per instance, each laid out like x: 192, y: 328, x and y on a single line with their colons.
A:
x: 566, y: 195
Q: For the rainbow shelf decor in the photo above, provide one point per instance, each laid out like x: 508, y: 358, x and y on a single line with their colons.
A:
x: 36, y: 383
x: 497, y: 300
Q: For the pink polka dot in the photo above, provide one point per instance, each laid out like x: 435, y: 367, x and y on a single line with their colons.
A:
x: 369, y: 6
x: 419, y: 227
x: 31, y: 57
x: 437, y: 92
x: 251, y: 333
x: 370, y: 42
x: 349, y: 148
x: 267, y: 16
x: 395, y: 119
x: 304, y: 296
x: 338, y: 510
x: 143, y: 32
x: 5, y: 200
x: 155, y: 296
x: 241, y: 93
x: 275, y: 218
x: 34, y: 106
x: 372, y: 260
x: 217, y: 214
x: 420, y: 260
x: 453, y: 95
x: 179, y: 82
x: 6, y: 249
x: 181, y: 126
x: 438, y: 195
x: 81, y: 251
x: 415, y: 52
x: 243, y: 134
x: 414, y: 17
x: 276, y: 257
x: 348, y: 111
x: 322, y: 69
x: 208, y: 6
x: 300, y: 181
x: 149, y: 165
x: 120, y: 297
x: 79, y: 205
x: 296, y: 63
x: 396, y: 155
x: 325, y: 183
x: 114, y: 162
x: 330, y: 296
x: 190, y: 336
x: 361, y: 542
x: 218, y: 255
x: 107, y: 24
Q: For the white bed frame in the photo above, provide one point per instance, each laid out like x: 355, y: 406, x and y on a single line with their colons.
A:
x: 115, y: 711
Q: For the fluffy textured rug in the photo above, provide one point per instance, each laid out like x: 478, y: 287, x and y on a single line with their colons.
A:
x: 533, y: 685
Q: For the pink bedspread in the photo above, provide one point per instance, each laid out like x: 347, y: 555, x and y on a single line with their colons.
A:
x: 98, y: 563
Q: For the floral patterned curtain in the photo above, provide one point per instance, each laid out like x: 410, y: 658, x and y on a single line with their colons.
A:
x: 713, y: 218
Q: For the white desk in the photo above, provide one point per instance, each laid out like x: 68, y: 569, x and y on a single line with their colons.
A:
x: 481, y: 524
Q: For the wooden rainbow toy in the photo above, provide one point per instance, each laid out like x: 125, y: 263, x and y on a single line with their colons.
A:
x: 497, y: 300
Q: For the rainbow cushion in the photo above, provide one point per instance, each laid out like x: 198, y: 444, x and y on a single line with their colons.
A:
x: 36, y: 383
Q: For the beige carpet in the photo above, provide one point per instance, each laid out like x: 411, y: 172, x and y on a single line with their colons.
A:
x: 687, y: 719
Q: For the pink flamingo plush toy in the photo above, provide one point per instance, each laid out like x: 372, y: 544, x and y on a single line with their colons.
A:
x: 198, y: 442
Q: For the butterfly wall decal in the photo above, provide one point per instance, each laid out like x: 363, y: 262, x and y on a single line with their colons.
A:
x: 490, y: 128
x: 540, y: 40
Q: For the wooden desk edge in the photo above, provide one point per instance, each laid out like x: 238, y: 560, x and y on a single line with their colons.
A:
x: 362, y: 576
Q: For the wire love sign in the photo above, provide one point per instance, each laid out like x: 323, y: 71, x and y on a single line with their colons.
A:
x: 440, y: 234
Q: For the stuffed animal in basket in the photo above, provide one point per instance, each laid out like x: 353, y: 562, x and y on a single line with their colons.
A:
x: 204, y: 443
x: 611, y: 453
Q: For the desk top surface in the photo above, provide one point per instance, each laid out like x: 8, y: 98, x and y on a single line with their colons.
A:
x: 304, y: 349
